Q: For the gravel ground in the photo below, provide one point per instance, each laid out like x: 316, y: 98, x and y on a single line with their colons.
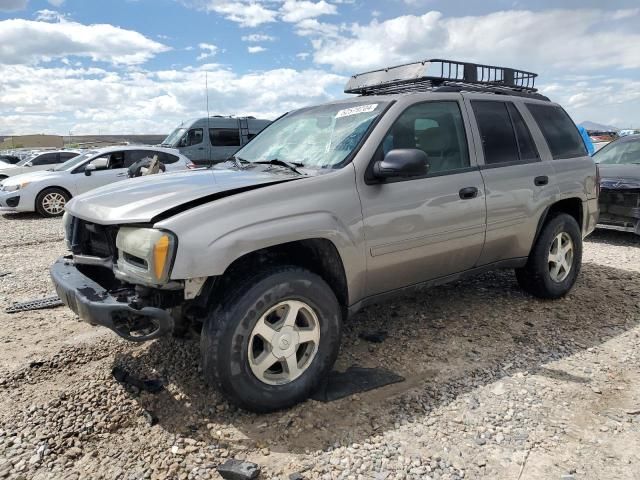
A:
x: 498, y: 385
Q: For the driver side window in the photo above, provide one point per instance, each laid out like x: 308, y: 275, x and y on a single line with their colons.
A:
x: 193, y: 137
x: 437, y: 129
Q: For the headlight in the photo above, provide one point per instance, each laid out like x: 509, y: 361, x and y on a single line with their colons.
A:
x: 13, y: 188
x: 145, y: 255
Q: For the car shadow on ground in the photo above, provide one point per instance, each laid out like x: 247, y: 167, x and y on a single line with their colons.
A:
x: 445, y: 341
x: 613, y: 237
x: 21, y: 216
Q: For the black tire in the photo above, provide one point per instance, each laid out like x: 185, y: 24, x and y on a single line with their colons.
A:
x: 535, y: 277
x: 43, y: 195
x: 226, y: 333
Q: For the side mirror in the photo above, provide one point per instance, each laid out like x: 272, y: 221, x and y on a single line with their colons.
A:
x: 89, y: 168
x: 402, y: 163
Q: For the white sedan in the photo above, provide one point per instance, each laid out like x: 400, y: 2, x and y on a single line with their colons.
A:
x: 48, y: 192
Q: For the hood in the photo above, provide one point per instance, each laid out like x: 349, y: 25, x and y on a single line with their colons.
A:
x: 142, y: 199
x: 31, y: 177
x: 620, y: 177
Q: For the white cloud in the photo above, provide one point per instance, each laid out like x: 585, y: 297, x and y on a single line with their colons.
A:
x: 574, y: 40
x: 12, y: 5
x: 253, y: 13
x: 207, y: 50
x: 256, y: 49
x: 296, y: 10
x: 258, y: 37
x: 27, y: 41
x: 56, y: 100
x: 247, y: 13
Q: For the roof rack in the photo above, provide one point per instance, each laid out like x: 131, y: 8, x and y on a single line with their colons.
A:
x: 444, y: 75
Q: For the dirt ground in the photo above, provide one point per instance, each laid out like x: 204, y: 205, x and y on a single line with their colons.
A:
x: 498, y: 385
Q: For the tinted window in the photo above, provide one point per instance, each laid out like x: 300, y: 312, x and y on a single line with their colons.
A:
x: 46, y: 159
x: 437, y: 129
x: 224, y: 137
x: 194, y: 137
x: 559, y: 131
x: 526, y: 146
x: 167, y: 158
x: 116, y: 160
x: 496, y: 131
x: 133, y: 156
x: 64, y: 156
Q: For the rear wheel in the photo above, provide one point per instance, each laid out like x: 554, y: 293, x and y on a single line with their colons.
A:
x: 51, y: 202
x: 555, y: 260
x: 272, y: 339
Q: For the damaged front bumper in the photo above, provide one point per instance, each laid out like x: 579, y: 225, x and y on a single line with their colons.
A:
x: 620, y: 209
x: 97, y: 306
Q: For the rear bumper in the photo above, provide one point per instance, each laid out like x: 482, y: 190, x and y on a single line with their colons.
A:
x: 95, y: 305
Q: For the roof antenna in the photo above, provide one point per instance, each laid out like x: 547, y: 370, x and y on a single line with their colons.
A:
x: 206, y: 87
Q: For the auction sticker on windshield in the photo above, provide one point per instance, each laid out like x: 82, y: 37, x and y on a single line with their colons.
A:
x: 355, y: 110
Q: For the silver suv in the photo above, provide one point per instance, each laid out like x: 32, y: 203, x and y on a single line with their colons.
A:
x: 438, y: 170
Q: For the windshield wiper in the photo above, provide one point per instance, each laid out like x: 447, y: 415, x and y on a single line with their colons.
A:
x: 293, y: 166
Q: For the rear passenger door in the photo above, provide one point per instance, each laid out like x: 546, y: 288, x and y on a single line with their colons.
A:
x: 519, y: 183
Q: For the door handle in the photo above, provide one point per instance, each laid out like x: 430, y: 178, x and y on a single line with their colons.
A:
x: 541, y: 180
x: 200, y: 148
x: 468, y: 193
x: 121, y: 174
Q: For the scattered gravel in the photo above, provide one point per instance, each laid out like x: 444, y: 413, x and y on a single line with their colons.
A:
x: 499, y: 385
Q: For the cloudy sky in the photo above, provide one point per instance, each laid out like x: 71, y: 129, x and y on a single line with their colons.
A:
x: 138, y: 66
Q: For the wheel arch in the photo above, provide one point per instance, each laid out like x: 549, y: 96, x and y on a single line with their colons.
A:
x: 318, y: 255
x: 571, y: 206
x: 56, y: 187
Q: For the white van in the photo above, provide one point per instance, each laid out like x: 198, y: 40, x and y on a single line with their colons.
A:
x: 226, y: 136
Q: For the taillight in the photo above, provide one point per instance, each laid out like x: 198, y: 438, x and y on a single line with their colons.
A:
x: 597, y: 180
x: 191, y: 165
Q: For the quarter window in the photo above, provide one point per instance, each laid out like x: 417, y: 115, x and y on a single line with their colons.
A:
x: 224, y: 137
x: 559, y: 131
x: 437, y: 129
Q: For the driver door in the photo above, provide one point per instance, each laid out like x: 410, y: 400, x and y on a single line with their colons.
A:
x: 422, y: 228
x: 193, y: 145
x: 109, y: 168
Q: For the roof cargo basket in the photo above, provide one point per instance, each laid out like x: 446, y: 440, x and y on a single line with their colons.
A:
x: 443, y: 75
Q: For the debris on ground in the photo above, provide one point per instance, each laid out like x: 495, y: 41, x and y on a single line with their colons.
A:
x: 37, y: 304
x: 377, y: 336
x: 126, y: 378
x: 234, y: 469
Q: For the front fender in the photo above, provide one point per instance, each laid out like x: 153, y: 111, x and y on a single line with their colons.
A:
x: 211, y: 237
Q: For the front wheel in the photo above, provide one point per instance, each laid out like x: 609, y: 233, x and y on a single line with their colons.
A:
x: 51, y: 202
x: 273, y: 337
x: 555, y: 260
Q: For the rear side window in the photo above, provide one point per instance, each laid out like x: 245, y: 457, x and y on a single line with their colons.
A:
x: 133, y: 156
x: 526, y: 146
x: 64, y: 156
x: 559, y: 131
x: 167, y: 158
x: 46, y: 159
x: 496, y: 131
x: 224, y: 137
